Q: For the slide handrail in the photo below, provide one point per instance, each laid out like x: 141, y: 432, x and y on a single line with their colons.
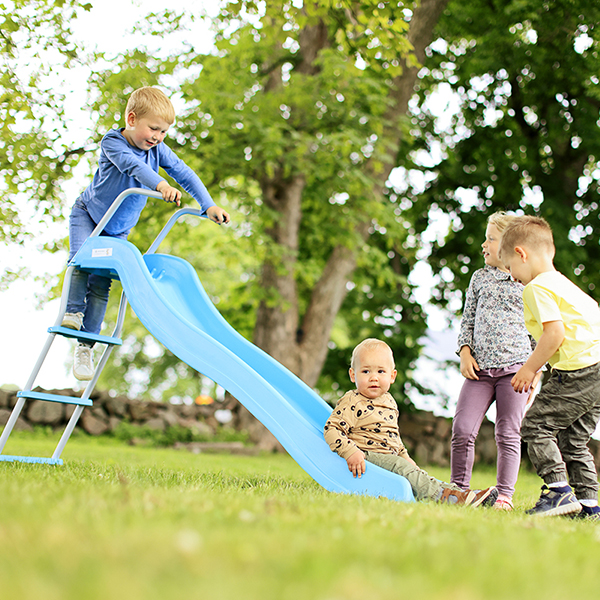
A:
x: 151, y: 194
x: 117, y: 202
x: 174, y: 217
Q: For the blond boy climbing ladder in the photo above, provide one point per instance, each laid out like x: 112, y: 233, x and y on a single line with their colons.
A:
x: 130, y: 157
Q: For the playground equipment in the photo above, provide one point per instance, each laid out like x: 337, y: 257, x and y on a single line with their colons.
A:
x: 168, y: 298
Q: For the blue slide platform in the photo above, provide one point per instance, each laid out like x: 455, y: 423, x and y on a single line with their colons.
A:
x: 168, y: 298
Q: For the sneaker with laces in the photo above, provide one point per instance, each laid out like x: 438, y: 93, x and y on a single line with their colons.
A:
x: 83, y: 365
x: 485, y: 497
x: 557, y: 501
x: 72, y: 321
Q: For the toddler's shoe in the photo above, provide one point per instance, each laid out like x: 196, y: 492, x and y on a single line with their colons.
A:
x: 557, y: 501
x: 503, y: 503
x: 73, y: 321
x: 485, y: 497
x: 83, y: 366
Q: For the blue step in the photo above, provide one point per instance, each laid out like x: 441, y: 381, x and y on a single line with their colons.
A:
x: 30, y: 459
x: 55, y: 398
x: 90, y: 337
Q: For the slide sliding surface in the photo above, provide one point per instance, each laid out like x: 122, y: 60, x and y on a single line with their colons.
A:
x: 168, y: 298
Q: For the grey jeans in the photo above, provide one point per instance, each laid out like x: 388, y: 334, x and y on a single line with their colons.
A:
x: 424, y: 486
x: 558, y: 427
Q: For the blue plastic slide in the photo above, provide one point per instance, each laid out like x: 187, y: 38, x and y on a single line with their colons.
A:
x: 168, y: 298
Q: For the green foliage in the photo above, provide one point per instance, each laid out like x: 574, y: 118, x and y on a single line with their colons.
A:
x: 35, y: 49
x: 138, y: 523
x: 372, y: 30
x: 258, y: 115
x: 525, y: 137
x: 254, y: 120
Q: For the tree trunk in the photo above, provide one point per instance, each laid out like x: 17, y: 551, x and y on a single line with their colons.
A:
x: 277, y: 317
x: 301, y: 344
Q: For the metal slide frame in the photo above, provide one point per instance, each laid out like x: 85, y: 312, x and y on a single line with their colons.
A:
x: 110, y: 341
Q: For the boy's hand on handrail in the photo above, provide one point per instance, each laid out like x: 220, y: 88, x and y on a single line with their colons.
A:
x: 218, y: 215
x: 169, y: 193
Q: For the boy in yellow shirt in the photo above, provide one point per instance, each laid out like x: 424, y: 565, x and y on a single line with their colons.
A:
x: 364, y: 427
x: 566, y: 324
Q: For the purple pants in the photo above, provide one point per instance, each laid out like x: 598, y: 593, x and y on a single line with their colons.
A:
x: 473, y: 402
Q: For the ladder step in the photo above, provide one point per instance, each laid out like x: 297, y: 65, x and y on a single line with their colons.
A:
x: 81, y: 335
x: 30, y: 459
x: 55, y: 398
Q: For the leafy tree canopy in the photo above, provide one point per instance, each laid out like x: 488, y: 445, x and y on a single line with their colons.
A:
x: 264, y: 115
x: 35, y: 43
x: 295, y: 122
x: 520, y: 80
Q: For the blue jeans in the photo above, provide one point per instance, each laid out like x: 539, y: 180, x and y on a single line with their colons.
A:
x: 89, y: 292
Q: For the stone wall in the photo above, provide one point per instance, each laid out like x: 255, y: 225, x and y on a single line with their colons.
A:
x: 426, y: 436
x: 108, y: 411
x: 427, y: 439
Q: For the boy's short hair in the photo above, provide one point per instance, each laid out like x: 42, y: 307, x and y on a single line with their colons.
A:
x: 533, y: 232
x: 150, y: 101
x: 501, y: 220
x: 368, y: 344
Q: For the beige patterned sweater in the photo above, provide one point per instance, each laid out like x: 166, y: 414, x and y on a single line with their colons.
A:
x: 358, y: 422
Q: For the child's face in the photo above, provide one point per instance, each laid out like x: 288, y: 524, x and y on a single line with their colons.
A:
x: 374, y: 373
x: 490, y: 247
x: 145, y: 132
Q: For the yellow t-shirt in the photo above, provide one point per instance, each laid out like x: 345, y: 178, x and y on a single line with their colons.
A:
x: 553, y: 297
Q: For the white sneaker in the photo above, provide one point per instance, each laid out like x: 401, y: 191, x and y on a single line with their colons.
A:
x: 73, y: 321
x: 83, y: 365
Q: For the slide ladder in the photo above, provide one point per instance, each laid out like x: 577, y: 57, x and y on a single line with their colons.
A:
x: 109, y: 342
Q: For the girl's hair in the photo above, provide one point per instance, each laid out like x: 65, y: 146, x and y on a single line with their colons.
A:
x: 501, y: 220
x: 369, y: 344
x: 150, y: 101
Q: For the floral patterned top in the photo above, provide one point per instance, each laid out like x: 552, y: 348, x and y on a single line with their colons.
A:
x: 493, y: 322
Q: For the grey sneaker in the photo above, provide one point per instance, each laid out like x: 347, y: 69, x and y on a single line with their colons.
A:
x: 83, y: 365
x: 73, y: 321
x: 485, y: 497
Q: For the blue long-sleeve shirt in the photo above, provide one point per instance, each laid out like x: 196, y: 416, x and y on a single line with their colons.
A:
x: 123, y: 166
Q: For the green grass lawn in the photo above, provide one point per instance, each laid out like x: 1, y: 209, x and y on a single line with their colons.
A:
x: 121, y: 522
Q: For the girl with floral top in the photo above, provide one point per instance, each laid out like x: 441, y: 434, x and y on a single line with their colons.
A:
x: 493, y: 344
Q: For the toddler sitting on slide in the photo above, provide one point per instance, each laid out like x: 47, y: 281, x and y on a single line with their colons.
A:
x: 363, y: 428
